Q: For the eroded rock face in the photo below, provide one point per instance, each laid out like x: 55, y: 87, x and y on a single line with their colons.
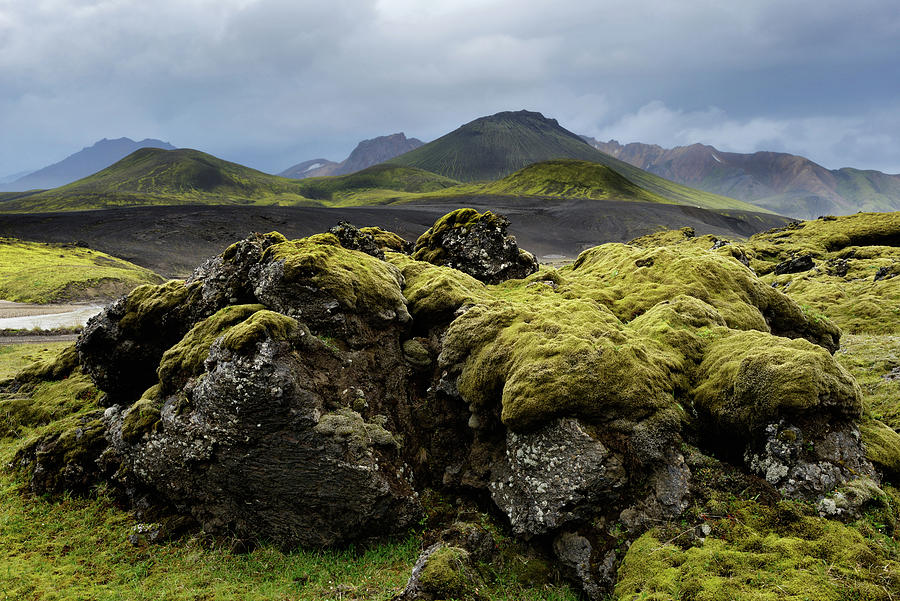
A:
x: 476, y: 244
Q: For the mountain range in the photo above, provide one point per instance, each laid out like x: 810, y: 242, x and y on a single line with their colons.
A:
x: 784, y: 183
x: 83, y: 163
x: 367, y: 153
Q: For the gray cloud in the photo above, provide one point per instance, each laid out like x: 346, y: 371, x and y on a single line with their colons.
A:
x: 272, y: 82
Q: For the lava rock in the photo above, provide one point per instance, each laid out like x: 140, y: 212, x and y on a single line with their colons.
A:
x: 795, y: 265
x: 476, y: 244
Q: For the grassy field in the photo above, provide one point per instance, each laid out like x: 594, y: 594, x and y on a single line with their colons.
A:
x: 13, y: 357
x: 31, y: 272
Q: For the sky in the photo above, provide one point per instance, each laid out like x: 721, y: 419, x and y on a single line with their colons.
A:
x: 270, y: 83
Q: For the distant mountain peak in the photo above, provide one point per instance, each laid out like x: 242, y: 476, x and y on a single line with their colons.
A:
x: 366, y: 154
x: 87, y: 161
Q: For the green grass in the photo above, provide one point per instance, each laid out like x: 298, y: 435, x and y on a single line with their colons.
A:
x: 32, y: 272
x: 14, y: 357
x: 869, y: 358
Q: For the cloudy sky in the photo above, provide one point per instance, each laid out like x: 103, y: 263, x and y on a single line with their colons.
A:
x: 272, y: 82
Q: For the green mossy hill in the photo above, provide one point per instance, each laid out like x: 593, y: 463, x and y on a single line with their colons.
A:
x: 151, y: 304
x: 32, y: 272
x: 359, y: 282
x: 389, y: 181
x: 760, y: 553
x: 491, y: 148
x: 258, y: 327
x: 429, y: 247
x: 570, y: 179
x: 55, y: 367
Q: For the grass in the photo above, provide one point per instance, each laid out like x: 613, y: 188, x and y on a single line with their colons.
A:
x: 869, y: 357
x: 14, y: 357
x: 32, y: 272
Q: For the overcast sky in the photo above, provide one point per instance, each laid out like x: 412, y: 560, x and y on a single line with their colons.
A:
x: 270, y: 83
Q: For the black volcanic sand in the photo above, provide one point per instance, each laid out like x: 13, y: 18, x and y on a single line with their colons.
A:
x: 172, y: 240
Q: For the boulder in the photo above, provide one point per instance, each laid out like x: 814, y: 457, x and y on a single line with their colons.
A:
x: 476, y: 244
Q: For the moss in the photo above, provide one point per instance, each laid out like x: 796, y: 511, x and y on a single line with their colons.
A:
x: 47, y: 402
x: 359, y: 282
x: 863, y: 244
x: 185, y: 359
x: 882, y: 446
x: 749, y: 378
x: 386, y: 240
x: 446, y: 574
x: 349, y: 427
x: 871, y: 359
x: 763, y: 553
x: 547, y: 356
x: 55, y: 368
x: 435, y: 293
x: 416, y: 353
x: 429, y: 245
x: 150, y: 304
x: 258, y: 327
x: 630, y: 280
x: 270, y: 238
x: 143, y: 416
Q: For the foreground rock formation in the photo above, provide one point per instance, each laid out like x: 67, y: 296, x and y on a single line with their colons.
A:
x: 309, y: 392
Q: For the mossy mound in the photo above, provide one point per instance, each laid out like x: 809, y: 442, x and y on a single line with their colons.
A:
x: 630, y: 280
x: 387, y: 240
x: 882, y: 447
x: 435, y: 293
x: 854, y: 282
x: 357, y: 281
x: 757, y: 552
x: 747, y: 379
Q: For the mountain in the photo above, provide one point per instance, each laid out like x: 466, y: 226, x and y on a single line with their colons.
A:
x: 785, y: 183
x: 83, y: 163
x: 367, y: 153
x: 493, y: 147
x: 151, y: 176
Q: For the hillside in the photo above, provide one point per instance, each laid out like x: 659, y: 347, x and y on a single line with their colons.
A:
x: 83, y: 163
x: 385, y: 182
x: 366, y: 154
x: 567, y: 178
x: 785, y: 183
x: 32, y: 272
x: 493, y: 147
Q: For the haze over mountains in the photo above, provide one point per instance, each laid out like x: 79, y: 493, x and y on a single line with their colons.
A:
x: 785, y: 183
x: 83, y: 163
x: 367, y: 153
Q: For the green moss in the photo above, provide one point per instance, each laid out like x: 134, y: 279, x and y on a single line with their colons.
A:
x: 416, y: 353
x: 32, y: 272
x: 428, y: 246
x: 447, y: 575
x: 258, y: 327
x: 16, y: 357
x: 547, y: 356
x: 863, y: 243
x: 53, y: 368
x: 185, y: 359
x: 750, y: 378
x: 435, y: 293
x: 882, y: 446
x: 763, y: 553
x: 46, y: 402
x: 871, y: 359
x: 348, y: 426
x: 630, y: 280
x: 386, y: 240
x: 359, y: 282
x: 271, y: 237
x: 150, y: 304
x: 143, y: 416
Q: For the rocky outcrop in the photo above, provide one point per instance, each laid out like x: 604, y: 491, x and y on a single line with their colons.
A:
x: 308, y: 392
x: 476, y: 244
